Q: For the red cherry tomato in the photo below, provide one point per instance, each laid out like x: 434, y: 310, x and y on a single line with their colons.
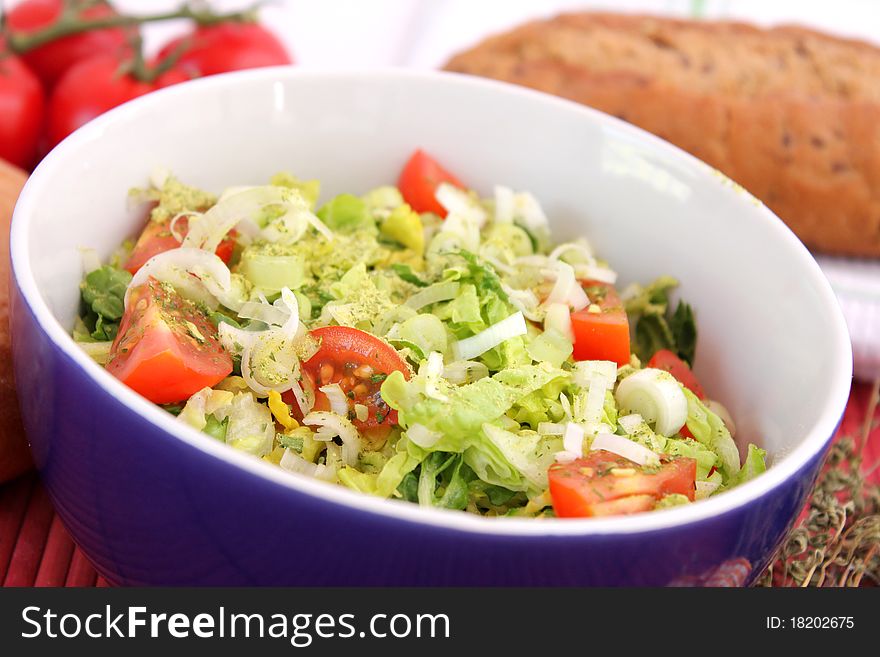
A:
x: 419, y: 180
x: 156, y: 238
x: 227, y: 47
x: 359, y: 363
x: 52, y: 60
x: 166, y: 349
x: 93, y: 86
x: 602, y: 335
x: 604, y: 484
x: 666, y: 360
x: 23, y: 108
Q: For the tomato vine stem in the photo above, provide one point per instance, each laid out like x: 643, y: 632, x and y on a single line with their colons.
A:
x: 72, y: 22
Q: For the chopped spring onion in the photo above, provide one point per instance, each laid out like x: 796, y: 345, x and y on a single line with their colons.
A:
x: 361, y: 412
x: 458, y: 202
x: 337, y: 399
x: 465, y: 371
x: 573, y: 439
x: 491, y: 337
x: 433, y: 294
x: 657, y: 397
x: 558, y: 318
x: 293, y: 462
x: 422, y: 436
x: 583, y: 372
x: 705, y: 488
x: 551, y: 428
x: 331, y: 425
x: 630, y: 423
x: 566, y: 289
x: 625, y: 447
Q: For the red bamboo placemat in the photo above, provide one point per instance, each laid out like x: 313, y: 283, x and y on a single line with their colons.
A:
x: 36, y: 550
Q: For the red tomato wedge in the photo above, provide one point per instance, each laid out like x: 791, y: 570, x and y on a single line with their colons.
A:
x: 359, y: 363
x: 167, y: 349
x: 419, y: 180
x: 604, y: 484
x: 666, y: 360
x: 157, y: 238
x: 602, y: 335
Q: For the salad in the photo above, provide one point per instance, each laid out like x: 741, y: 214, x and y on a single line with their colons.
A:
x: 415, y: 342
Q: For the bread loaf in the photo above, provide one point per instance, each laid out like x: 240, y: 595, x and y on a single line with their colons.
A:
x: 791, y: 114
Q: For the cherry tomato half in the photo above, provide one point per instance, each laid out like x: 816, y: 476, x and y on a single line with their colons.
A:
x: 603, y: 484
x: 166, y: 349
x: 419, y: 180
x: 359, y: 363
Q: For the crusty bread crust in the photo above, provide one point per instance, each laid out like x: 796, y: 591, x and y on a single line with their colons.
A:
x: 791, y: 114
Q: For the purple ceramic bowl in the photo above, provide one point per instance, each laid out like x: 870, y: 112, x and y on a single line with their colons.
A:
x: 151, y: 501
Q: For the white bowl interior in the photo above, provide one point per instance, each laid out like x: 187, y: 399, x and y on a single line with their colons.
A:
x: 772, y: 344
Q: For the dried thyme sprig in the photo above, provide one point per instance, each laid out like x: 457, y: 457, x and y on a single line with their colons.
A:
x: 838, y: 543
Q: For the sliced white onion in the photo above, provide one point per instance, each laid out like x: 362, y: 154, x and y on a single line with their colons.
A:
x: 422, y: 436
x: 241, y: 207
x: 263, y: 312
x: 510, y: 205
x: 303, y: 394
x: 565, y: 456
x: 495, y: 262
x: 172, y: 225
x: 525, y: 301
x: 331, y: 425
x: 465, y: 371
x: 573, y: 439
x: 595, y: 273
x: 196, y: 274
x: 624, y: 447
x: 657, y: 397
x: 293, y: 462
x: 584, y: 371
x: 584, y: 251
x: 566, y: 289
x: 433, y: 294
x: 458, y: 202
x: 558, y: 318
x: 432, y: 370
x: 630, y: 423
x: 490, y: 338
x: 337, y: 398
x: 551, y: 428
x: 595, y: 402
x: 721, y: 411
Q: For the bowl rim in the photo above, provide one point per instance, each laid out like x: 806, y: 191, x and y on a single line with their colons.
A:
x: 794, y: 461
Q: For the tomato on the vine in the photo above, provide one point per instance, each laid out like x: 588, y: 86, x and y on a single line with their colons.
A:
x: 23, y: 107
x: 94, y: 86
x: 52, y: 60
x: 212, y: 49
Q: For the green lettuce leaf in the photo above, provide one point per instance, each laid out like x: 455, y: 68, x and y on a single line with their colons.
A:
x: 753, y: 465
x: 345, y: 213
x: 709, y: 430
x: 103, y: 294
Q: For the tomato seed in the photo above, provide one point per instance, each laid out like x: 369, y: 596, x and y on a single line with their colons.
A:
x: 326, y: 373
x: 364, y: 372
x: 360, y: 389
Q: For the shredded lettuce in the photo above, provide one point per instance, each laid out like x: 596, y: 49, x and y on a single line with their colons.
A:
x: 103, y: 294
x: 708, y: 429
